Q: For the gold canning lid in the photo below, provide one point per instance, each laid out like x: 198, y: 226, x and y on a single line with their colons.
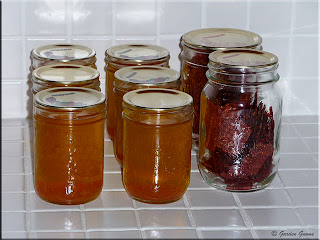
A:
x: 157, y: 99
x: 137, y: 53
x: 69, y: 98
x: 147, y: 76
x: 64, y: 74
x: 63, y: 52
x: 221, y: 38
x: 241, y: 58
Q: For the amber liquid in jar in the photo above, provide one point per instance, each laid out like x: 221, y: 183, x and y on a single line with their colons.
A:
x: 69, y: 152
x: 117, y: 59
x: 144, y: 77
x: 157, y: 153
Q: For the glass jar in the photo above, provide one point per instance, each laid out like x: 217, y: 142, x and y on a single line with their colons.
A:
x: 60, y: 75
x: 195, y: 48
x: 157, y: 140
x: 63, y: 53
x: 131, y: 78
x: 121, y: 56
x: 69, y: 144
x: 241, y: 108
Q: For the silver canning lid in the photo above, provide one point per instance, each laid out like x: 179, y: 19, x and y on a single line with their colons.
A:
x: 147, y: 75
x: 157, y: 99
x: 138, y: 52
x: 242, y: 58
x: 63, y: 52
x: 64, y: 74
x: 69, y: 98
x: 221, y: 38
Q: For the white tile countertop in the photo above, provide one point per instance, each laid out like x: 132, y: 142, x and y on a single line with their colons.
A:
x: 286, y: 209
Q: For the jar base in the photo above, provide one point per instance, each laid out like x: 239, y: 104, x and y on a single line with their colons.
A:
x: 154, y: 202
x: 218, y: 183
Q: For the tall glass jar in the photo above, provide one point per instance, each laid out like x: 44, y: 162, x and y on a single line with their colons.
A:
x: 121, y: 56
x: 60, y: 75
x: 63, y: 53
x: 131, y: 78
x: 195, y: 48
x: 157, y: 144
x: 241, y: 108
x: 69, y: 144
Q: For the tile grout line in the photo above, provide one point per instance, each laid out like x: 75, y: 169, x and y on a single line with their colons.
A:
x: 69, y: 11
x: 248, y: 15
x: 114, y: 19
x: 84, y: 221
x: 158, y: 23
x: 292, y: 206
x: 291, y: 36
x: 191, y: 219
x: 203, y: 13
x: 24, y: 58
x: 135, y: 209
x: 244, y: 216
x: 27, y: 185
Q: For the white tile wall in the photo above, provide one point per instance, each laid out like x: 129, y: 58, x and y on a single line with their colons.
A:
x: 289, y: 29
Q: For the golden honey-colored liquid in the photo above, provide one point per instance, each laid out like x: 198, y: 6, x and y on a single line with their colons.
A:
x: 69, y: 159
x: 110, y: 70
x: 157, y: 160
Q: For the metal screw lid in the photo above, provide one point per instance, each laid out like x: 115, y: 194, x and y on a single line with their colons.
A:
x: 68, y: 98
x: 63, y: 52
x: 137, y: 52
x: 221, y: 38
x: 64, y: 74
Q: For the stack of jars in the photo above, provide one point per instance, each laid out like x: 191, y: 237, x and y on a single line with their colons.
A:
x: 229, y: 111
x: 69, y: 115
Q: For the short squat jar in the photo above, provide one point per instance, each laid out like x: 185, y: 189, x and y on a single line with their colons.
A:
x: 241, y: 108
x: 196, y: 46
x: 132, y: 78
x: 157, y: 144
x: 69, y: 144
x: 64, y: 54
x: 125, y: 55
x: 64, y: 76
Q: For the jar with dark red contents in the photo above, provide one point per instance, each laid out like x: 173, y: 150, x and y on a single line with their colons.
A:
x: 195, y: 49
x: 241, y: 108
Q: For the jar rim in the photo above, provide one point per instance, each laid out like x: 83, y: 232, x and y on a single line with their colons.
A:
x: 162, y: 100
x: 65, y: 98
x: 200, y: 39
x: 37, y: 52
x: 38, y: 77
x: 113, y: 53
x: 146, y: 75
x: 242, y: 59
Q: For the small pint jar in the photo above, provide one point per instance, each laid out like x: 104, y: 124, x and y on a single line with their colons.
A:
x: 196, y: 46
x: 60, y: 75
x: 125, y: 55
x: 69, y: 144
x: 241, y: 108
x: 63, y: 53
x: 132, y: 78
x: 157, y: 131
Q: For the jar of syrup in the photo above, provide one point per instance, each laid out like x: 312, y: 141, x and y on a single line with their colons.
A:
x: 69, y: 144
x: 157, y: 141
x: 121, y: 56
